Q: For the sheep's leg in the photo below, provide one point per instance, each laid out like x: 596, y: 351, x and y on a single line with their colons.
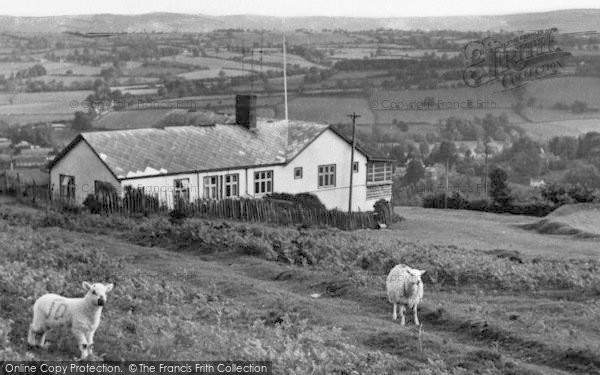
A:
x: 395, y: 315
x: 43, y: 343
x: 90, y: 342
x: 415, y: 313
x: 82, y: 343
x: 31, y: 336
x: 402, y: 319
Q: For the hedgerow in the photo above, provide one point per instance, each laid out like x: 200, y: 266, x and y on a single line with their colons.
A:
x: 335, y: 249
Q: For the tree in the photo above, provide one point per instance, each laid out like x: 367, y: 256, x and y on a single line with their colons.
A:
x: 414, y: 172
x: 499, y: 189
x: 583, y: 174
x: 402, y: 126
x: 565, y: 147
x: 446, y: 154
x: 82, y: 121
x: 424, y: 149
x: 578, y: 106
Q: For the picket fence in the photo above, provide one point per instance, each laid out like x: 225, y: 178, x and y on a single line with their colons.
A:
x: 243, y: 209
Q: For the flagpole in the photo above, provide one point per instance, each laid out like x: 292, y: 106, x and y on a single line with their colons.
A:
x: 285, y: 80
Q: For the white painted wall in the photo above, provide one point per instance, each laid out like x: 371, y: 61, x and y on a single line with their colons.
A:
x: 84, y: 164
x: 164, y: 186
x: 329, y: 148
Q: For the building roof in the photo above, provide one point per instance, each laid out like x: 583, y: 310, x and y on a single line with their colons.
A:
x: 184, y: 149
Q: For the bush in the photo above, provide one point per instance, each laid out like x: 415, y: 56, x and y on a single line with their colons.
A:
x: 68, y: 206
x: 383, y: 211
x: 93, y: 204
x: 499, y: 189
x: 303, y: 200
x: 479, y: 205
x: 179, y: 212
x: 557, y: 165
x: 455, y: 201
x: 559, y: 194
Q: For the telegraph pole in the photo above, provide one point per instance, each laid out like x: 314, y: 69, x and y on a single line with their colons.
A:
x: 353, y: 116
x: 485, y: 175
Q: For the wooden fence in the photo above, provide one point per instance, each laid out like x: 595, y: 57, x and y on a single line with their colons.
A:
x: 243, y: 209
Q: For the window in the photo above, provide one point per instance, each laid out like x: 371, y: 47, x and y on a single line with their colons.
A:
x: 67, y: 186
x: 355, y: 167
x: 326, y: 175
x: 231, y: 185
x: 263, y: 182
x: 297, y: 173
x: 182, y: 189
x: 210, y: 187
x: 379, y: 172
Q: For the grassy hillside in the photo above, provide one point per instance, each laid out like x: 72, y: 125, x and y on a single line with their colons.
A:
x: 581, y: 220
x: 225, y: 290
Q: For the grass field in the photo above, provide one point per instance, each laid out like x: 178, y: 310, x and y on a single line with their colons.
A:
x: 63, y: 97
x: 565, y: 90
x: 212, y: 63
x: 547, y: 130
x: 329, y: 109
x: 579, y: 220
x: 41, y: 107
x: 51, y: 67
x: 224, y: 290
x: 35, y: 118
x: 212, y: 73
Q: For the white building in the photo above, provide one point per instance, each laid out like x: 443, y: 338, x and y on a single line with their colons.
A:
x: 245, y: 158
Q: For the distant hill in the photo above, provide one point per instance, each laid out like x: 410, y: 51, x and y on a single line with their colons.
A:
x: 564, y: 20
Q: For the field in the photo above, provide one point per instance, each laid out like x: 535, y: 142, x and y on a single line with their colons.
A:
x: 329, y: 109
x: 23, y: 119
x: 225, y: 290
x: 547, y: 130
x: 212, y: 73
x: 580, y: 220
x: 565, y: 90
x: 212, y: 63
x: 41, y: 107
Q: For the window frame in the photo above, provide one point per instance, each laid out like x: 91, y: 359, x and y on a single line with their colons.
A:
x: 379, y: 172
x: 183, y: 191
x: 298, y: 169
x: 266, y: 181
x: 67, y: 190
x: 210, y: 187
x: 326, y: 176
x: 231, y: 185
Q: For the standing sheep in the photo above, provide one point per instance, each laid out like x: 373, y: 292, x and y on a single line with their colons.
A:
x: 81, y: 314
x: 404, y: 287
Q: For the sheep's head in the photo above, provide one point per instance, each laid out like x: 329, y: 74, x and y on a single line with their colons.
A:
x: 413, y: 281
x: 96, y: 293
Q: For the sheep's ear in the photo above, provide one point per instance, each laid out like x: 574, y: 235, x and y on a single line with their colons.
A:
x: 86, y: 286
x: 109, y: 287
x: 421, y: 272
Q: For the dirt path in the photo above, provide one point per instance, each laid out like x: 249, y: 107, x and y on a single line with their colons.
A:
x: 363, y: 316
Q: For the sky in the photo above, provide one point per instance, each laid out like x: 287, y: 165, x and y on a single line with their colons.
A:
x: 288, y: 8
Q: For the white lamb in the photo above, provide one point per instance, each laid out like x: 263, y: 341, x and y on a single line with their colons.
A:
x: 404, y: 287
x: 81, y: 314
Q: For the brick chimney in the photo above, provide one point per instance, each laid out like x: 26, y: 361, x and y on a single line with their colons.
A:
x: 245, y: 110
